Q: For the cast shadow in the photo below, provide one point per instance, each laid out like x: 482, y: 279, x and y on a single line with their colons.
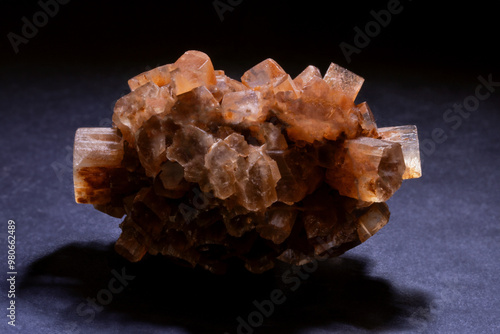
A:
x: 338, y: 294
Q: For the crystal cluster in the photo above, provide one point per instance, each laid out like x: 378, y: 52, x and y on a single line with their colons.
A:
x: 211, y: 171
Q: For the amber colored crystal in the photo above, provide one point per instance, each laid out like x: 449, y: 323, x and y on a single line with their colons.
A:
x: 368, y: 169
x: 97, y: 155
x: 159, y: 75
x: 343, y: 81
x: 210, y: 171
x: 193, y: 69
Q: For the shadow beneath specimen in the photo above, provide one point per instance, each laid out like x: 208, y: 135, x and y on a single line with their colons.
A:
x: 92, y: 286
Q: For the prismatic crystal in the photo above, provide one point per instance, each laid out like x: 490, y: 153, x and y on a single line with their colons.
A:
x: 212, y: 171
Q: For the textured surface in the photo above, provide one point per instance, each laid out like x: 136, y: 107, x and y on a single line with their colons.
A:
x: 214, y: 171
x: 433, y: 269
x: 441, y: 243
x: 405, y: 135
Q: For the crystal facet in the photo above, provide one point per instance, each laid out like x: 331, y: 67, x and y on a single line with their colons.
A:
x: 407, y: 137
x: 209, y: 170
x: 97, y: 156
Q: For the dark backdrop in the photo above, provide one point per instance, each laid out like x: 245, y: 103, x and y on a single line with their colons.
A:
x: 433, y: 268
x: 422, y: 34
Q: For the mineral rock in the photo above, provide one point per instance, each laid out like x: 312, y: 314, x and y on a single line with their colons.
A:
x: 211, y: 171
x: 407, y: 137
x: 193, y: 69
x: 368, y: 169
x: 97, y: 156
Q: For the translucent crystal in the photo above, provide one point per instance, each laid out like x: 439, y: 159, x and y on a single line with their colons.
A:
x: 344, y: 81
x: 279, y: 224
x: 245, y: 106
x: 407, y: 136
x: 225, y: 85
x: 369, y: 169
x: 197, y: 107
x: 268, y: 72
x: 372, y: 221
x: 193, y: 69
x: 211, y: 171
x: 305, y: 77
x: 151, y: 145
x: 97, y: 155
x: 159, y: 75
x: 189, y: 147
x: 135, y: 108
x: 243, y: 171
x: 367, y: 121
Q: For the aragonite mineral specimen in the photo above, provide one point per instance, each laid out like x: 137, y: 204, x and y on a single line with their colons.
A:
x: 212, y: 171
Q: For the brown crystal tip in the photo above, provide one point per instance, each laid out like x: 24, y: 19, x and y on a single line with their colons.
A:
x: 209, y: 170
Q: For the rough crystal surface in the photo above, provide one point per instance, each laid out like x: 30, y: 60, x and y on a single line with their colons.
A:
x: 212, y: 171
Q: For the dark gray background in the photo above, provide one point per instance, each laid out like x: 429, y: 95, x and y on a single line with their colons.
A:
x: 433, y: 269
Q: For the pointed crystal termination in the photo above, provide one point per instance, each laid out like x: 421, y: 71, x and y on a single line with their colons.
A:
x: 209, y: 171
x: 97, y: 155
x: 407, y: 137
